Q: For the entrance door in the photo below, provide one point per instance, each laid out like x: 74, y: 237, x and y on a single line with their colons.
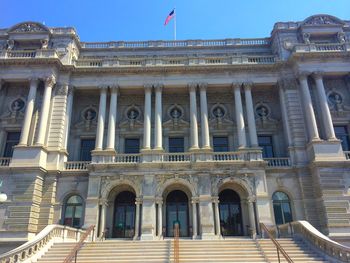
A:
x: 230, y: 213
x: 177, y: 212
x: 124, y: 215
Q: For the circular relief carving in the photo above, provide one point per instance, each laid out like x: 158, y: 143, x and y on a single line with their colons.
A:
x: 175, y: 113
x: 90, y: 114
x: 335, y: 98
x: 17, y: 105
x: 133, y: 114
x: 218, y: 112
x: 262, y: 110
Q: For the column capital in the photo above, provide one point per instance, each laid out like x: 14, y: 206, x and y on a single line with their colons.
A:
x: 103, y: 88
x: 71, y: 89
x: 248, y: 85
x: 318, y: 74
x: 302, y: 75
x: 148, y: 87
x: 114, y: 88
x: 236, y: 86
x: 50, y: 81
x: 33, y: 80
x: 192, y: 86
x: 203, y: 86
x: 158, y: 87
x: 251, y: 199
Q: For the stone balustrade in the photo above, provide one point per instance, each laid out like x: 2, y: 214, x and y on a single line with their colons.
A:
x: 128, y: 158
x: 24, y: 54
x: 324, y: 47
x: 33, y: 249
x: 176, y: 43
x: 4, y: 161
x: 278, y: 162
x: 306, y: 231
x: 76, y: 165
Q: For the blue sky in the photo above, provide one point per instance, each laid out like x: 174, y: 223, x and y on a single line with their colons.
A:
x: 107, y: 20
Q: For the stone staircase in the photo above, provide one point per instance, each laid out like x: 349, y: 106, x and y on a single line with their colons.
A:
x: 228, y: 250
x: 298, y: 250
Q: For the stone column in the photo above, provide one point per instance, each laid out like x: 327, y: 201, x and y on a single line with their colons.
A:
x: 68, y: 116
x: 194, y: 219
x: 250, y: 114
x: 217, y: 217
x: 158, y: 135
x: 309, y: 110
x: 103, y: 219
x: 45, y: 108
x: 160, y: 219
x: 204, y: 116
x: 112, y: 119
x: 251, y: 217
x: 193, y: 117
x: 282, y: 86
x: 242, y: 142
x: 147, y: 118
x: 137, y: 219
x: 101, y: 118
x: 326, y: 114
x: 29, y: 112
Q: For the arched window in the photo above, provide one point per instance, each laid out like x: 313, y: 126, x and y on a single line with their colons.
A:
x: 73, y: 211
x: 282, y: 208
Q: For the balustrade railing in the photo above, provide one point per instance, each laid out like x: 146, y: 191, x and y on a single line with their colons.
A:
x: 277, y: 162
x: 330, y: 47
x: 227, y: 156
x: 23, y: 54
x: 76, y: 166
x: 4, y: 161
x: 128, y: 158
x: 306, y: 231
x: 176, y: 157
x: 33, y: 248
x: 176, y: 43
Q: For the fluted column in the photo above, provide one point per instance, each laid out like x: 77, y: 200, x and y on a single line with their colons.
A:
x: 217, y: 217
x: 193, y: 117
x: 194, y: 219
x: 160, y: 219
x: 250, y: 114
x: 158, y: 134
x: 68, y: 116
x: 137, y: 219
x: 309, y: 110
x: 112, y: 119
x: 45, y: 108
x: 242, y: 142
x: 204, y: 116
x: 103, y: 219
x: 326, y: 114
x: 29, y: 112
x: 251, y: 217
x: 147, y: 118
x: 101, y: 118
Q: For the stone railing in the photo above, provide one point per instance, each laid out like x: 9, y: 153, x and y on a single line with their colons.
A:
x: 347, y: 155
x: 27, y: 54
x: 175, y: 157
x: 63, y: 30
x: 76, y: 165
x: 4, y: 161
x: 326, y: 47
x: 125, y: 62
x: 128, y: 158
x: 306, y: 231
x: 177, y: 43
x: 277, y: 162
x: 35, y: 248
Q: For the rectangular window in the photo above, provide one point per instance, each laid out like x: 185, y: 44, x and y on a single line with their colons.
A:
x: 132, y: 146
x: 12, y: 139
x: 265, y: 142
x: 220, y: 144
x: 341, y: 132
x: 176, y: 145
x: 86, y: 146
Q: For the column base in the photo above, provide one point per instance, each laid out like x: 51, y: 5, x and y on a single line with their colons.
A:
x: 29, y: 156
x: 325, y: 151
x: 103, y: 156
x: 194, y: 149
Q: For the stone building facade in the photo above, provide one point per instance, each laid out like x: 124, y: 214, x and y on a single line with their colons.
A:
x: 217, y: 135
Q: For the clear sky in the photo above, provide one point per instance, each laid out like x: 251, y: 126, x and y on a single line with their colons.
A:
x: 107, y: 20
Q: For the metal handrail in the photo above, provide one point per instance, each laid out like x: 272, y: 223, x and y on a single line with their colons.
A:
x: 176, y: 244
x: 74, y: 252
x: 277, y: 245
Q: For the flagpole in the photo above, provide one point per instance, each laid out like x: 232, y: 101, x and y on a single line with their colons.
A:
x: 175, y: 24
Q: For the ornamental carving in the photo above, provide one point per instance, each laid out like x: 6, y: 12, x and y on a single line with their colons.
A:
x: 108, y: 183
x: 245, y: 181
x: 15, y: 111
x: 132, y: 117
x: 29, y: 27
x: 175, y: 117
x: 88, y: 118
x: 189, y: 181
x: 263, y: 114
x: 219, y: 116
x: 322, y: 20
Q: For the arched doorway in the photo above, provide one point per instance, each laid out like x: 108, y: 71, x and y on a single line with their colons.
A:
x: 177, y: 211
x: 124, y: 215
x: 231, y: 222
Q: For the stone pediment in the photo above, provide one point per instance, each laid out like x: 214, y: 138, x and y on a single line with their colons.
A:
x: 29, y: 27
x: 321, y: 19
